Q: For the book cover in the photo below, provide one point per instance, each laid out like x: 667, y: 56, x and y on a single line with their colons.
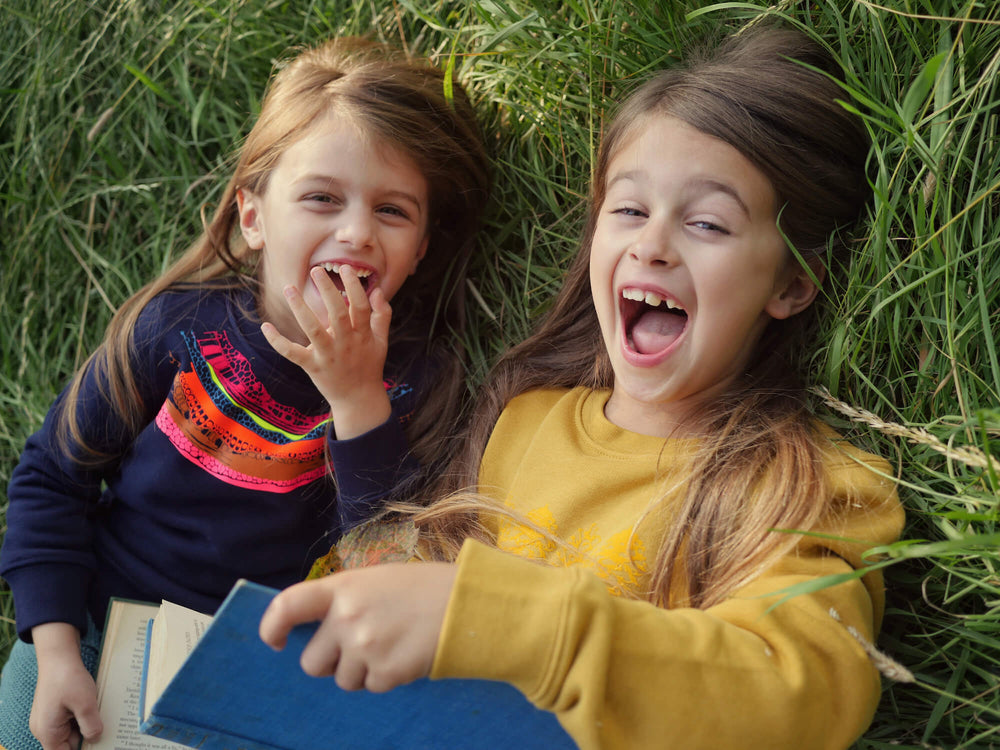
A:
x: 234, y: 693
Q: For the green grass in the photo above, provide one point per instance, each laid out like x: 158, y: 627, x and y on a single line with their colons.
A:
x: 117, y: 120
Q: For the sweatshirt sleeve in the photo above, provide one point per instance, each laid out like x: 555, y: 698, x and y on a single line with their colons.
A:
x: 368, y: 467
x: 753, y: 671
x: 47, y: 556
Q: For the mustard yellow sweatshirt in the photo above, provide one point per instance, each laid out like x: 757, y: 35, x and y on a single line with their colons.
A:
x: 623, y: 673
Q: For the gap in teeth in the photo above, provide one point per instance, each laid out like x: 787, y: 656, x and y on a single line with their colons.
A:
x: 650, y: 298
x: 335, y: 268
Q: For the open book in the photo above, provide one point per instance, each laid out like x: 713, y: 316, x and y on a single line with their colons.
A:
x: 217, y: 686
x: 123, y: 664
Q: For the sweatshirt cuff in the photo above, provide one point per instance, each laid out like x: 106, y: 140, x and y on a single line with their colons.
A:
x: 368, y: 467
x: 499, y: 598
x: 50, y: 592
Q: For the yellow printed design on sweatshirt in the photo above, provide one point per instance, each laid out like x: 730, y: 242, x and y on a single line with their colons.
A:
x: 620, y: 560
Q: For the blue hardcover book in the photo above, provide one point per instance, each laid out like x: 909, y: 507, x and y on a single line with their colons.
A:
x: 234, y: 693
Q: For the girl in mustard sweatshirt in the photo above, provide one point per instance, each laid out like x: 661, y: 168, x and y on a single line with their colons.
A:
x: 651, y: 446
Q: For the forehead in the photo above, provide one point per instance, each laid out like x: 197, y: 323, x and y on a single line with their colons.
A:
x: 337, y: 138
x: 662, y: 151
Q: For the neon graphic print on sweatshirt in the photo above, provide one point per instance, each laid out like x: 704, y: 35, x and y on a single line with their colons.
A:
x: 221, y: 417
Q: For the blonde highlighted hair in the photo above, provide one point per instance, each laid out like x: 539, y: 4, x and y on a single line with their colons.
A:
x: 773, y: 95
x: 397, y: 101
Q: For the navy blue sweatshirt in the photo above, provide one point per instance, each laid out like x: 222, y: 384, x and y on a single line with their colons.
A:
x: 227, y: 480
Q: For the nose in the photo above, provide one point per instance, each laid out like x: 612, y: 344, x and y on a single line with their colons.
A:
x: 654, y: 245
x: 355, y: 227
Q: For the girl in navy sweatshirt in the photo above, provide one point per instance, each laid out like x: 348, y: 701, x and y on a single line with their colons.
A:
x: 191, y: 449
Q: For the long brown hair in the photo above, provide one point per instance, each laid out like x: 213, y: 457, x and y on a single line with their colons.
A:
x: 771, y: 94
x: 395, y: 100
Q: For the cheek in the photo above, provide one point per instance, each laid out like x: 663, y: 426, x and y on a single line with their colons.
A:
x: 272, y: 270
x: 605, y: 307
x: 602, y: 275
x: 602, y: 266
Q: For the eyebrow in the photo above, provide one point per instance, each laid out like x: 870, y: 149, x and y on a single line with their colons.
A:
x: 328, y: 180
x: 708, y: 185
x: 699, y: 185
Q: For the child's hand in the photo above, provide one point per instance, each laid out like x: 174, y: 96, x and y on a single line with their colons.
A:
x: 345, y: 360
x: 379, y: 626
x: 65, y: 704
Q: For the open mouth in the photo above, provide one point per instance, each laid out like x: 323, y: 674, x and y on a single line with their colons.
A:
x: 365, y: 275
x: 652, y: 323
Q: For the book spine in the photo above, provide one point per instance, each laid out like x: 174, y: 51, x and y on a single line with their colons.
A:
x: 204, y: 739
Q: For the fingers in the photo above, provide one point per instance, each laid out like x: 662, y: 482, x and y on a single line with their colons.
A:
x: 351, y: 674
x: 61, y: 737
x: 307, y: 321
x: 355, y: 312
x: 71, y: 743
x: 379, y: 626
x: 59, y: 720
x: 336, y: 307
x: 303, y: 602
x: 290, y: 351
x: 341, y: 645
x: 381, y: 315
x: 348, y: 312
x: 322, y: 655
x: 315, y: 331
x: 88, y: 719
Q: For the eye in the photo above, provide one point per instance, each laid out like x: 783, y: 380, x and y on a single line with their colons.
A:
x: 391, y: 210
x: 708, y: 227
x: 629, y: 211
x: 320, y: 198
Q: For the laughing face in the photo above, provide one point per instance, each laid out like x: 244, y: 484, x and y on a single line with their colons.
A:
x: 687, y: 267
x: 335, y: 198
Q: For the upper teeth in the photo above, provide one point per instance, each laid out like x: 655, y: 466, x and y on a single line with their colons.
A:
x: 335, y: 267
x: 650, y: 298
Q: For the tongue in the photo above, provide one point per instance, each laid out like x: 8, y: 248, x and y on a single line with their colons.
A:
x: 655, y: 330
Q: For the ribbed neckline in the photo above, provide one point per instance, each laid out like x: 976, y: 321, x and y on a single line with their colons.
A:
x: 607, y: 437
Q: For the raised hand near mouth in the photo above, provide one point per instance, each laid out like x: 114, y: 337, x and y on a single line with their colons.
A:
x: 346, y: 357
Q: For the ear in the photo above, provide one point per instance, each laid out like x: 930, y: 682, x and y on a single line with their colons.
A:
x: 420, y: 253
x: 797, y: 290
x: 250, y: 222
